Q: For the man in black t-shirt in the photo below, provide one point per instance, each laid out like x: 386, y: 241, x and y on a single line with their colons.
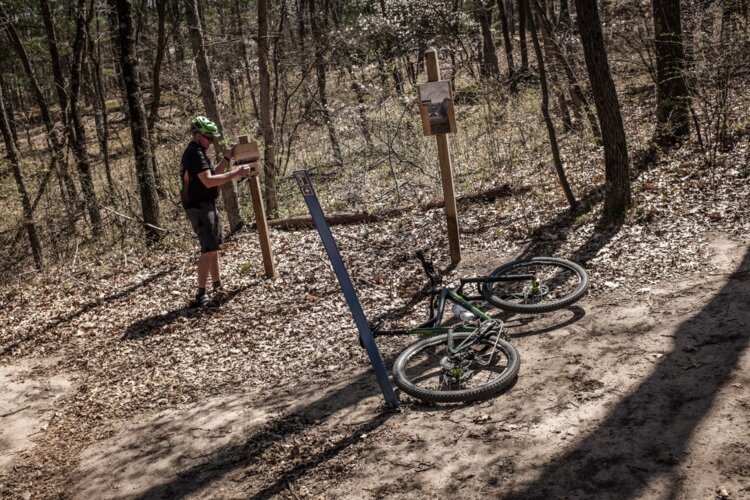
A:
x: 200, y: 188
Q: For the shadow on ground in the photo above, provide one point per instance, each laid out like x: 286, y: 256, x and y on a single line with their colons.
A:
x: 647, y: 434
x: 181, y: 453
x: 145, y: 327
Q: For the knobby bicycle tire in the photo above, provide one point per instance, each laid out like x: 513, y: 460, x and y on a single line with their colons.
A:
x: 407, y: 375
x: 566, y: 284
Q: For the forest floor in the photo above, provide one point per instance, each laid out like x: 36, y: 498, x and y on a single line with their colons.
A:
x: 112, y: 388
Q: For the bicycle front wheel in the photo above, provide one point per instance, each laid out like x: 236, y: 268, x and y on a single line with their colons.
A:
x: 543, y: 284
x: 476, y: 369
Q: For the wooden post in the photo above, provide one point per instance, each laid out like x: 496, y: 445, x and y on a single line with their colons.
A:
x: 260, y: 222
x: 446, y: 168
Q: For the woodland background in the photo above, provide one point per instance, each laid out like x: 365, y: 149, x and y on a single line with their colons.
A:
x: 615, y: 134
x: 97, y: 97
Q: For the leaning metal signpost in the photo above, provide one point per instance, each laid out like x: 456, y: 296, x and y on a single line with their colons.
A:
x: 365, y: 334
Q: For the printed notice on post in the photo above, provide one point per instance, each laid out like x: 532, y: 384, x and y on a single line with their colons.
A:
x: 436, y: 107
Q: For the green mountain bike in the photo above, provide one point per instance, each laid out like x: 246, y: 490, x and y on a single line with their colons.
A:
x: 471, y: 358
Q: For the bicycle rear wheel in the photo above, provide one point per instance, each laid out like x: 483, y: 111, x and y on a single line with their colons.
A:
x: 427, y: 371
x: 557, y: 283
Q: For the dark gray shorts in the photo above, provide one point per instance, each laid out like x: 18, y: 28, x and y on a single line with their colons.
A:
x: 205, y: 221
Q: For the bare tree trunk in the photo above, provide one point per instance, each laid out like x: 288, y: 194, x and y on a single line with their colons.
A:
x: 161, y: 47
x: 361, y: 106
x: 508, y: 43
x: 578, y: 98
x: 138, y: 124
x: 76, y: 132
x: 10, y: 112
x: 58, y: 154
x: 548, y: 119
x: 554, y: 69
x: 617, y: 171
x: 264, y: 77
x: 100, y: 107
x: 320, y: 67
x: 89, y: 92
x: 153, y: 115
x: 174, y: 19
x: 522, y: 34
x: 60, y: 86
x: 565, y: 15
x: 15, y: 164
x: 208, y: 93
x: 246, y: 61
x: 672, y: 101
x: 489, y: 66
x: 277, y: 52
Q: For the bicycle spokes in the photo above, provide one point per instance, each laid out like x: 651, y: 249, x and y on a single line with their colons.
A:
x: 548, y: 283
x: 477, y: 352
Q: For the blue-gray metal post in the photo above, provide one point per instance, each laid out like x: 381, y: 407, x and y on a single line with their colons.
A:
x: 365, y: 334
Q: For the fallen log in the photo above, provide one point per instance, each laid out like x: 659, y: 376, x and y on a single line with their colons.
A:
x: 333, y: 220
x: 361, y: 217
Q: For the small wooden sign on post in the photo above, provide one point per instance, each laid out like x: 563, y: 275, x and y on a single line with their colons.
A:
x: 436, y: 108
x: 247, y: 152
x: 438, y: 119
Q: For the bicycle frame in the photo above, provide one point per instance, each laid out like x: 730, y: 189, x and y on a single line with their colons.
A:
x: 437, y: 311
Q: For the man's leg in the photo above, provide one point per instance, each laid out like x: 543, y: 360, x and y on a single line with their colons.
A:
x: 215, y: 270
x: 205, y: 266
x: 205, y: 223
x: 205, y: 261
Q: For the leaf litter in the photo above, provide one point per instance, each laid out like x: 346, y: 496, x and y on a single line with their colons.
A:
x: 123, y: 333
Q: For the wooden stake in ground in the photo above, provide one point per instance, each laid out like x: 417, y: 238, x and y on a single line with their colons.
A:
x: 446, y: 168
x: 258, y: 207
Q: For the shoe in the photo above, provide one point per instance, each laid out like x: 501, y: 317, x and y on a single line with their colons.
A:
x: 203, y: 301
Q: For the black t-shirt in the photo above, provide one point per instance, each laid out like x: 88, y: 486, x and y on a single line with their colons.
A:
x: 194, y: 161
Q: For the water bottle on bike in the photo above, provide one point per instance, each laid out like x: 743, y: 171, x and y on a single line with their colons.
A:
x: 462, y: 313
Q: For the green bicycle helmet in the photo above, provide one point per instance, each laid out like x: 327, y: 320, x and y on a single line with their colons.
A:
x: 203, y: 125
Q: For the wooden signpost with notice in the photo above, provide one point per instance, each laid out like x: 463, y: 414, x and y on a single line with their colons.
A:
x: 247, y: 152
x: 438, y: 119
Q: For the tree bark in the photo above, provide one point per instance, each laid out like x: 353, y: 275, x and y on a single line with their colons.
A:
x: 578, y: 98
x: 9, y: 111
x: 489, y: 66
x: 320, y: 67
x: 617, y: 171
x: 359, y: 92
x: 58, y: 156
x: 246, y: 60
x: 161, y: 47
x: 76, y: 131
x: 522, y: 34
x: 554, y: 70
x: 548, y: 119
x: 138, y: 125
x: 100, y: 107
x: 269, y: 140
x: 57, y: 72
x: 672, y: 101
x: 174, y: 19
x: 208, y: 93
x: 15, y: 164
x: 153, y: 115
x: 508, y: 43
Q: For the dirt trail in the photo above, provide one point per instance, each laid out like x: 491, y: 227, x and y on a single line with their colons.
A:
x: 629, y: 396
x: 26, y: 408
